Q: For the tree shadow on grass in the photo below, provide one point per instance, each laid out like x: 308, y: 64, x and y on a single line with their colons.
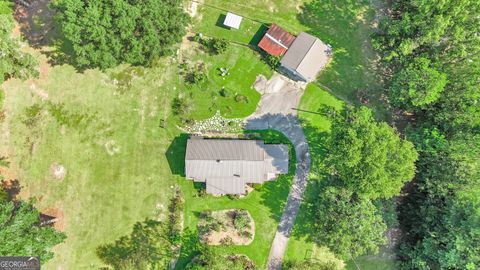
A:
x: 191, y: 247
x: 175, y: 154
x: 347, y: 26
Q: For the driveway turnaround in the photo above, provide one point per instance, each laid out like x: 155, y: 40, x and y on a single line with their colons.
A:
x: 280, y: 97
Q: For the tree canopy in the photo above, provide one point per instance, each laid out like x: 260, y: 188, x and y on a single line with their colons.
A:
x: 105, y: 33
x: 13, y: 61
x: 147, y: 247
x: 369, y: 157
x: 417, y: 85
x: 22, y: 234
x: 348, y: 224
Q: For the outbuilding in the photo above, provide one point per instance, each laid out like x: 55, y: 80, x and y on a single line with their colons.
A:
x: 306, y: 57
x: 232, y: 20
x: 276, y: 41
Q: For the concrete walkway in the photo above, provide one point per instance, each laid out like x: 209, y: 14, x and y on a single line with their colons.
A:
x: 276, y: 111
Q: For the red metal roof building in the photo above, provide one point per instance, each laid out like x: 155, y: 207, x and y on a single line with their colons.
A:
x: 276, y: 41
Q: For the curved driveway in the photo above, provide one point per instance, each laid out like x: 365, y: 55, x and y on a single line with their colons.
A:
x: 276, y: 111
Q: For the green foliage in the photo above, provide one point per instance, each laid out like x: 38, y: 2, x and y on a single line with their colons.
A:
x: 175, y: 217
x: 445, y: 33
x: 106, y: 33
x: 305, y: 265
x: 241, y: 220
x: 13, y: 62
x: 181, y: 107
x: 272, y: 61
x: 417, y: 85
x: 147, y: 247
x: 369, y: 157
x: 215, y: 45
x: 21, y: 233
x: 437, y: 213
x: 348, y: 224
x: 225, y: 93
x: 196, y: 75
x: 442, y: 205
x: 241, y: 98
x: 210, y: 259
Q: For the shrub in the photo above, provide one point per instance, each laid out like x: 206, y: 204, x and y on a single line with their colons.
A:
x: 227, y: 241
x: 272, y: 61
x: 241, y: 220
x: 241, y: 98
x: 181, y: 106
x: 196, y: 76
x: 217, y: 45
x: 225, y: 93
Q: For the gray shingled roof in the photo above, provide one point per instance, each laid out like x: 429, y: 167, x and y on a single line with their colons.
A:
x: 227, y: 164
x: 307, y: 56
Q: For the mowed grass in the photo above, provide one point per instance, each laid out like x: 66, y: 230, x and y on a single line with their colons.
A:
x: 116, y: 170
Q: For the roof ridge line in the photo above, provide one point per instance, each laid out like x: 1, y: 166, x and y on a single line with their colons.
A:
x: 309, y: 49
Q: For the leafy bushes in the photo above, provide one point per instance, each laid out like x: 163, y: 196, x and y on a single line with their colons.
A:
x: 241, y: 98
x: 213, y: 45
x: 13, y: 61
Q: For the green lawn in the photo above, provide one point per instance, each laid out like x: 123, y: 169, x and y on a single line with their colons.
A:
x: 108, y: 141
x: 244, y: 66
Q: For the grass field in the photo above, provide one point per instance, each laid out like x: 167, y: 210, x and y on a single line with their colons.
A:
x: 108, y: 141
x: 104, y: 128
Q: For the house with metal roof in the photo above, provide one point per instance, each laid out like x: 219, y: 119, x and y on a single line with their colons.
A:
x: 226, y: 166
x: 276, y: 41
x: 306, y: 57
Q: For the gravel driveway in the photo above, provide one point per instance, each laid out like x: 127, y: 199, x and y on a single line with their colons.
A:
x: 276, y: 111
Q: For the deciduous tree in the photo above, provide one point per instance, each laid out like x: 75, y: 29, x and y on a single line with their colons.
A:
x: 21, y: 233
x: 368, y: 157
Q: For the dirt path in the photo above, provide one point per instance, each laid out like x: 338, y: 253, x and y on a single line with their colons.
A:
x: 277, y: 111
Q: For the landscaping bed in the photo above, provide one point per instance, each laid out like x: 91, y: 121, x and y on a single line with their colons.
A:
x: 226, y: 227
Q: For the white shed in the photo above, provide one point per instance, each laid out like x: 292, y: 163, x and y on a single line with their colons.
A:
x: 233, y: 20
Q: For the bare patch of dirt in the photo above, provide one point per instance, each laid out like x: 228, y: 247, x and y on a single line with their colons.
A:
x: 58, y: 171
x: 54, y: 217
x: 35, y: 21
x: 226, y: 227
x: 12, y: 187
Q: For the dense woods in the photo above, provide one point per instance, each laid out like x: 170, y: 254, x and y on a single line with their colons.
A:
x: 431, y: 50
x: 107, y: 33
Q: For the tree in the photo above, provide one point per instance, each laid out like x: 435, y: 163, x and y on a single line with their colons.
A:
x: 210, y: 259
x: 441, y: 214
x: 22, y: 234
x: 304, y: 265
x: 147, y: 247
x: 105, y: 33
x: 348, y: 224
x: 417, y: 85
x: 369, y: 157
x: 13, y: 62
